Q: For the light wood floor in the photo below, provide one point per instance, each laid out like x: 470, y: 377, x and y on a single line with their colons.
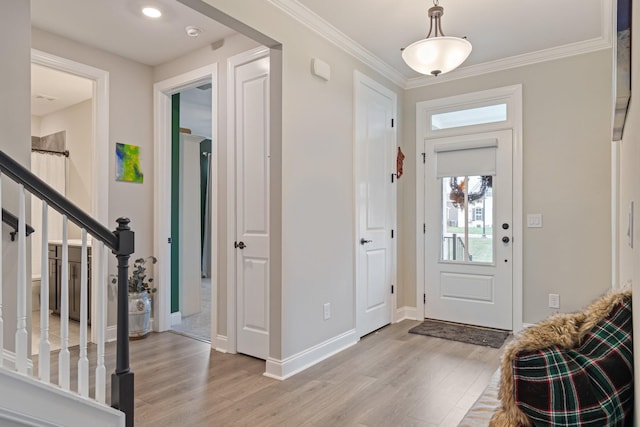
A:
x: 390, y: 378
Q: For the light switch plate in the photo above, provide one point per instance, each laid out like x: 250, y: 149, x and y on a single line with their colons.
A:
x: 534, y: 220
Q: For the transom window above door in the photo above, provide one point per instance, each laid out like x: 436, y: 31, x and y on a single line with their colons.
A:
x: 469, y: 117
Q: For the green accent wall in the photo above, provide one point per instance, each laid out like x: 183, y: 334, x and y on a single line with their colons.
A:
x: 175, y: 202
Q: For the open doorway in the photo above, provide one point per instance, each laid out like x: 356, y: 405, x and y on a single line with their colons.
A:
x: 92, y: 176
x: 191, y: 211
x: 62, y: 130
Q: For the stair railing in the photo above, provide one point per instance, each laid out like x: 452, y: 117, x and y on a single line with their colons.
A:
x: 121, y: 243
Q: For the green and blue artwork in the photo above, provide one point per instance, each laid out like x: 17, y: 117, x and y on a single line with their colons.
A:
x: 128, y: 163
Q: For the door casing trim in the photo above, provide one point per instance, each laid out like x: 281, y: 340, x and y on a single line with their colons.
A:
x: 512, y: 96
x: 162, y: 92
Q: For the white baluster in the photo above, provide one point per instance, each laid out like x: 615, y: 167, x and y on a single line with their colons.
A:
x: 44, y: 361
x: 64, y: 357
x: 83, y: 362
x: 21, y: 332
x: 1, y: 315
x: 100, y: 323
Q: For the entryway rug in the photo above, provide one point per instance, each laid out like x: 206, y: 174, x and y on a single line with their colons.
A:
x: 464, y: 333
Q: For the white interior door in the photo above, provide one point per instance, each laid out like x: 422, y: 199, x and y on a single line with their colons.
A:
x: 251, y: 111
x: 189, y: 226
x: 375, y: 164
x: 468, y: 206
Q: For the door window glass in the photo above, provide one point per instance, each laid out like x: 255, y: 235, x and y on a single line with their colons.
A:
x: 469, y: 117
x: 467, y: 219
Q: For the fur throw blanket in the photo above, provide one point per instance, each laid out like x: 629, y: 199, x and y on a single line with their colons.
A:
x: 563, y: 331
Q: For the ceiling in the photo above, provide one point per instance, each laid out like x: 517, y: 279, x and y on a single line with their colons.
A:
x: 496, y: 29
x: 503, y: 33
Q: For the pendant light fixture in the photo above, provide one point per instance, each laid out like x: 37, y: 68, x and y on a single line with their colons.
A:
x: 437, y: 54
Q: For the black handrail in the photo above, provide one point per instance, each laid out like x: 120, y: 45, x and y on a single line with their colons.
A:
x: 12, y: 221
x: 121, y: 242
x: 57, y: 201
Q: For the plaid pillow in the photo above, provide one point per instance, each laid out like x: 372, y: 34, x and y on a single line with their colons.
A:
x: 591, y: 385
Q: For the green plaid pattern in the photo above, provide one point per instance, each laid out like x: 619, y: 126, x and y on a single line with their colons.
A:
x: 591, y: 385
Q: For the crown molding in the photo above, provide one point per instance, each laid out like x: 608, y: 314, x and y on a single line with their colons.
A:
x: 314, y: 22
x: 512, y: 62
x: 317, y: 24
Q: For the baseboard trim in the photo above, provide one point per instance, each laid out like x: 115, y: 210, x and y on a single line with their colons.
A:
x: 175, y: 318
x: 283, y: 369
x: 221, y: 344
x: 406, y: 313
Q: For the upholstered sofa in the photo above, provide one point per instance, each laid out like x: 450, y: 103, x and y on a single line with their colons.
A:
x: 569, y: 370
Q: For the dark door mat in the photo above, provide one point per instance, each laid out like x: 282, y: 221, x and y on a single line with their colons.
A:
x: 464, y: 333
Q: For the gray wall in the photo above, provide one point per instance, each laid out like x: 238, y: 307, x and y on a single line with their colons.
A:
x: 130, y: 122
x: 630, y: 191
x: 567, y: 178
x: 233, y: 45
x: 317, y: 179
x: 15, y: 82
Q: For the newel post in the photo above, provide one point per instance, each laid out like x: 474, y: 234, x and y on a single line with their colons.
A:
x: 122, y: 396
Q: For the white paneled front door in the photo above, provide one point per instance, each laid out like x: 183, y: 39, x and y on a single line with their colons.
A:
x: 249, y: 90
x: 375, y: 198
x: 469, y: 229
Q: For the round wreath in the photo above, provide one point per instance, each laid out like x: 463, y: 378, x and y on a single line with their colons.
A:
x: 457, y: 191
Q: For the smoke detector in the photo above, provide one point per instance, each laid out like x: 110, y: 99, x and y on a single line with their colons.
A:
x: 193, y: 31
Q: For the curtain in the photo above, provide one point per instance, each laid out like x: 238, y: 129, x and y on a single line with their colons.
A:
x: 52, y: 169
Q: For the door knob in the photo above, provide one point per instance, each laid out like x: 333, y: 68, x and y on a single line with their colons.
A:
x: 239, y: 245
x: 364, y: 241
x: 505, y: 239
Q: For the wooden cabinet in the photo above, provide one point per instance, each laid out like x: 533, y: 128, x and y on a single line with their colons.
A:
x: 55, y: 273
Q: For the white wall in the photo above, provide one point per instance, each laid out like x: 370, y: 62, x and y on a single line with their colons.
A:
x: 130, y: 122
x: 567, y: 128
x: 15, y: 86
x: 77, y: 122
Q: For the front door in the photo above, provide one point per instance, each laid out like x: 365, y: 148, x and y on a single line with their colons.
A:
x: 469, y: 229
x: 251, y: 131
x: 375, y: 164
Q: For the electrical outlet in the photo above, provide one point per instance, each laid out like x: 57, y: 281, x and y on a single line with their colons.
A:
x: 554, y: 301
x: 327, y: 310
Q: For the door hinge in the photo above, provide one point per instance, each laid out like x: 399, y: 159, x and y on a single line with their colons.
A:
x: 392, y: 233
x: 392, y: 289
x: 424, y: 298
x: 392, y: 177
x: 424, y: 228
x: 392, y: 122
x: 424, y: 158
x: 169, y: 240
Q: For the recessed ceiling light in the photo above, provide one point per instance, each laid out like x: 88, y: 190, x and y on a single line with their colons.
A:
x: 151, y: 12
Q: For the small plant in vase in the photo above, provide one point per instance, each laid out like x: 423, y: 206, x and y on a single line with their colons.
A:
x: 140, y: 288
x: 138, y: 281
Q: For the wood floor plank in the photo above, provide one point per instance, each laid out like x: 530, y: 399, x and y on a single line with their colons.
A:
x: 390, y: 378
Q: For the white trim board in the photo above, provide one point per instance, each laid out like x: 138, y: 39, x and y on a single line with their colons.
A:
x: 406, y: 313
x: 320, y: 26
x: 162, y: 92
x: 99, y: 150
x: 283, y: 369
x: 512, y: 96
